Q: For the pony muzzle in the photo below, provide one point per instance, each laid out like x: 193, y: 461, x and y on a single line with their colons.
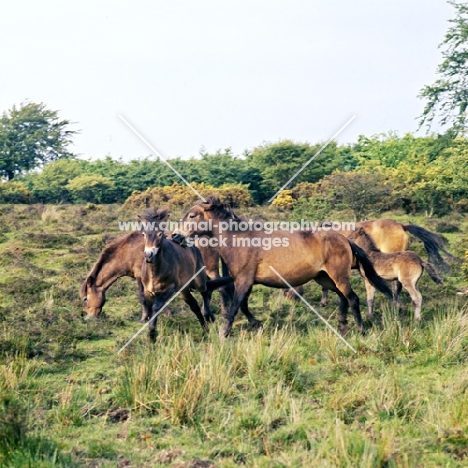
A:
x: 178, y: 237
x: 150, y: 254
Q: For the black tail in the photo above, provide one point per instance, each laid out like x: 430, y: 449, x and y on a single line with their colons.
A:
x: 365, y: 265
x: 433, y: 243
x: 211, y: 285
x: 431, y: 271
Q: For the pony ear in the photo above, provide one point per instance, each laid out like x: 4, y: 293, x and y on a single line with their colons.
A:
x: 163, y: 214
x: 211, y: 206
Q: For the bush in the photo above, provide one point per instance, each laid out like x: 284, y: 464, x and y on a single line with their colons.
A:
x: 89, y: 188
x: 362, y: 193
x: 180, y: 196
x: 14, y: 192
x: 284, y: 200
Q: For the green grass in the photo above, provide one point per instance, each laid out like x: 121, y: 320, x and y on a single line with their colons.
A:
x: 292, y: 395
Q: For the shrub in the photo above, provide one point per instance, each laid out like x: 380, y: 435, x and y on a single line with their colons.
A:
x: 89, y: 188
x: 14, y: 192
x: 362, y: 193
x: 284, y: 200
x: 180, y: 196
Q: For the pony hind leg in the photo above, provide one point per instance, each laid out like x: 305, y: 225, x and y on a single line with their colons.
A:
x: 194, y: 307
x: 412, y: 287
x: 207, y: 314
x: 241, y: 291
x: 327, y: 283
x: 352, y: 300
x: 245, y: 310
x: 324, y: 299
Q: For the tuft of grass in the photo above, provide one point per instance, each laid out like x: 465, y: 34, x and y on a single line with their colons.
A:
x: 50, y: 214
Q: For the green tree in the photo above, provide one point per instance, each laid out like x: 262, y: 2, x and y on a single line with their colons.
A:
x: 50, y: 185
x: 89, y: 188
x: 277, y: 163
x: 448, y: 96
x: 31, y: 136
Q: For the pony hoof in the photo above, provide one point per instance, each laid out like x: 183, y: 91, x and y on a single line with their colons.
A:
x: 210, y: 318
x: 225, y: 333
x: 370, y: 316
x: 256, y: 325
x: 143, y: 320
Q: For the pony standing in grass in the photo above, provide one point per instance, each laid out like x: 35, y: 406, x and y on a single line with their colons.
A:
x: 404, y: 267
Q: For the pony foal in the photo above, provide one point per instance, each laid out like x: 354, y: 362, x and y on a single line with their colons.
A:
x: 406, y: 267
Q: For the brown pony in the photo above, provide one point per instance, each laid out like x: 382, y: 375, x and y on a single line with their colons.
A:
x: 170, y: 268
x: 326, y: 257
x: 391, y: 236
x: 406, y: 267
x: 123, y: 257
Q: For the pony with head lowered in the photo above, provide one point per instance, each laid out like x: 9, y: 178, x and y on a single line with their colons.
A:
x: 124, y: 257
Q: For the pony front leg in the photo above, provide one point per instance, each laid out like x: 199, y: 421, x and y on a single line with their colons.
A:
x: 145, y: 307
x: 161, y: 299
x: 397, y: 287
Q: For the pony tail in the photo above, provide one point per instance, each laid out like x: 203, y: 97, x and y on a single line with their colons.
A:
x: 433, y: 243
x: 431, y: 271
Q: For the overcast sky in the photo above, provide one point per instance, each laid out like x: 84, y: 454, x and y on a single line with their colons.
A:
x: 216, y: 74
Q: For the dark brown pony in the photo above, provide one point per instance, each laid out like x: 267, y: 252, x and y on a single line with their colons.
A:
x: 406, y: 267
x: 170, y: 268
x: 123, y: 257
x: 326, y: 257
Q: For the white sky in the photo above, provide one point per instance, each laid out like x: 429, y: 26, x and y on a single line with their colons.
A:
x: 220, y: 74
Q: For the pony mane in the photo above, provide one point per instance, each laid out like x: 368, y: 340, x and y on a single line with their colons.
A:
x: 154, y: 215
x: 371, y: 245
x: 220, y: 209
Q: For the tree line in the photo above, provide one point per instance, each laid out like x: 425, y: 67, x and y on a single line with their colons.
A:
x: 376, y: 173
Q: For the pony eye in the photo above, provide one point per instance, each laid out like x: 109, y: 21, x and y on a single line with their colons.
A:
x: 192, y: 215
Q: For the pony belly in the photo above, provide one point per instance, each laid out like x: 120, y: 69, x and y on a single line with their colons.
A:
x: 294, y: 276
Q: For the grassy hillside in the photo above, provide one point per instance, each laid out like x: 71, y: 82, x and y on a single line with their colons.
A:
x: 293, y: 395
